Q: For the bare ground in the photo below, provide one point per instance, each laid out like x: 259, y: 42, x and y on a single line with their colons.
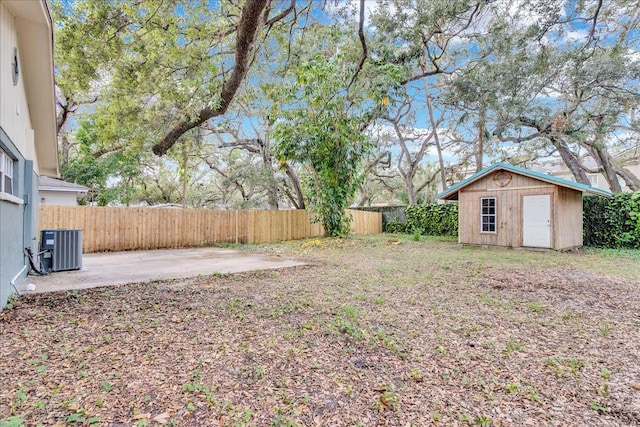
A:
x: 377, y: 331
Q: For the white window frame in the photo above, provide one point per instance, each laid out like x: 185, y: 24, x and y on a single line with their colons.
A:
x: 489, y: 215
x: 6, y: 173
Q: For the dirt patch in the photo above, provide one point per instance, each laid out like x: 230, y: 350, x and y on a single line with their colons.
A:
x: 581, y: 291
x: 372, y: 334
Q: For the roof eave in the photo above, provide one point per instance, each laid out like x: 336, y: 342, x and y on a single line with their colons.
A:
x: 36, y: 50
x: 63, y: 190
x: 452, y: 192
x: 598, y: 192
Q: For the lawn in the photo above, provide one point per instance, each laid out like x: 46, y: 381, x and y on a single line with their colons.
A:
x: 380, y: 330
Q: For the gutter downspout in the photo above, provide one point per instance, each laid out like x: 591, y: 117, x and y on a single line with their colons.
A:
x: 13, y: 281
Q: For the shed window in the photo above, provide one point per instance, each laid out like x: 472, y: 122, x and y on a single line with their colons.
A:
x: 6, y: 173
x: 488, y: 214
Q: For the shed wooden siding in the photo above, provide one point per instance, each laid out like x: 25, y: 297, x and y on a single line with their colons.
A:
x: 566, y: 212
x: 568, y: 218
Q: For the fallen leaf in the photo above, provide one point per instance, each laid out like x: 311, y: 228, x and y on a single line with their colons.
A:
x: 162, y: 418
x: 145, y: 416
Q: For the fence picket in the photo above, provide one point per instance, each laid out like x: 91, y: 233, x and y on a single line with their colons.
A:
x: 115, y: 229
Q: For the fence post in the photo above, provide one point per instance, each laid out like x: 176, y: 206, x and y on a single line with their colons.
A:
x: 116, y: 228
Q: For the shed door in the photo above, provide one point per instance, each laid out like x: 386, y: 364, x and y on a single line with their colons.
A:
x: 536, y: 221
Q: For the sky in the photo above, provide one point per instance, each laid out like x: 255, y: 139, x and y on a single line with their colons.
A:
x: 575, y: 32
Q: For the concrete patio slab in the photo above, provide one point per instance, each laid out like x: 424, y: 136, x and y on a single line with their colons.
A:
x: 117, y: 268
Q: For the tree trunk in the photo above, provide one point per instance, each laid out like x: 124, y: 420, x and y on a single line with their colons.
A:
x: 480, y: 147
x: 604, y: 161
x: 297, y: 188
x: 629, y: 178
x: 365, y: 198
x: 64, y: 149
x: 411, y: 194
x: 185, y: 174
x: 272, y: 190
x: 184, y: 181
x: 272, y: 185
x: 570, y: 160
x: 434, y: 125
x: 63, y: 115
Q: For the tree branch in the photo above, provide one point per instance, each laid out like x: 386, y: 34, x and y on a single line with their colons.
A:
x: 428, y: 181
x: 594, y: 20
x: 422, y: 75
x: 250, y: 21
x: 282, y: 14
x: 243, y: 143
x: 363, y: 42
x: 629, y: 178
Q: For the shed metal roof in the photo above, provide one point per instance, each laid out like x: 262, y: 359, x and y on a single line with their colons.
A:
x: 452, y: 191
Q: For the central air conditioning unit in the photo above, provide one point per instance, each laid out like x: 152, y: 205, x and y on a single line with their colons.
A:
x: 61, y: 250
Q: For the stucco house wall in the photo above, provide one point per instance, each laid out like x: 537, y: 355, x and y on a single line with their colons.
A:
x: 58, y: 198
x: 629, y: 159
x: 27, y: 130
x: 60, y: 193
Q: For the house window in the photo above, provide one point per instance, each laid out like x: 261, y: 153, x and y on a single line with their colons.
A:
x: 6, y: 173
x: 593, y: 180
x: 488, y: 214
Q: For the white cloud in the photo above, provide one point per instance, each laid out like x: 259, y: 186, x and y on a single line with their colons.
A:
x: 577, y: 35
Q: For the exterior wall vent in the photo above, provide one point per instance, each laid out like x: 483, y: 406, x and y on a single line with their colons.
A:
x: 61, y: 250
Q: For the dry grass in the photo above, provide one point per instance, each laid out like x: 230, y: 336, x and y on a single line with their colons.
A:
x: 378, y: 330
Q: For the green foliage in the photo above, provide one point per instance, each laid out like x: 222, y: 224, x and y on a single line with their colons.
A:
x: 395, y: 226
x: 433, y: 219
x: 108, y: 171
x: 612, y: 222
x: 599, y: 408
x: 142, y: 67
x: 145, y: 48
x: 427, y: 219
x: 11, y: 300
x: 12, y: 421
x: 319, y: 132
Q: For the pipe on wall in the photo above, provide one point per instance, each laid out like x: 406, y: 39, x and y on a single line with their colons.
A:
x: 13, y: 281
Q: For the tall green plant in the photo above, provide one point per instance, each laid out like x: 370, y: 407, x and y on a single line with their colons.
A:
x: 320, y: 133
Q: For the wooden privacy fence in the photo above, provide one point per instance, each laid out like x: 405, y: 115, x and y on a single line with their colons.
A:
x: 120, y: 229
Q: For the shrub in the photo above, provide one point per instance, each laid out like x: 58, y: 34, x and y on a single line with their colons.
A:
x: 394, y: 226
x: 612, y: 222
x: 433, y: 219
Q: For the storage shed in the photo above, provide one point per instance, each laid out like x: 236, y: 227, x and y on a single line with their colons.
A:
x: 505, y: 205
